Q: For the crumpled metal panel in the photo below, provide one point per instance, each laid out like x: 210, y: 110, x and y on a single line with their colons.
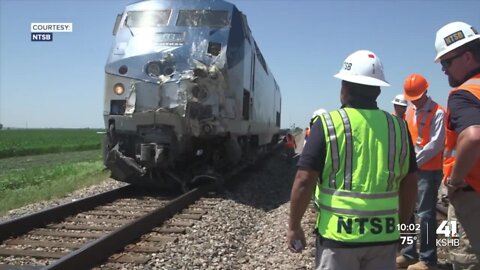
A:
x: 176, y: 92
x: 197, y: 88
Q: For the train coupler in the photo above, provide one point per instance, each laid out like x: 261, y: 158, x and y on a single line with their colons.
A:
x: 122, y: 167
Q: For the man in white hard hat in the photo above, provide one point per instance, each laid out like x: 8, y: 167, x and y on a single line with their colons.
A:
x: 346, y: 157
x: 316, y: 114
x: 458, y: 50
x: 400, y: 106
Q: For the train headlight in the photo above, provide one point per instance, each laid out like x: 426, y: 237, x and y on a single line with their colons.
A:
x: 168, y: 70
x: 123, y: 69
x: 118, y: 89
x: 153, y: 69
x: 158, y: 68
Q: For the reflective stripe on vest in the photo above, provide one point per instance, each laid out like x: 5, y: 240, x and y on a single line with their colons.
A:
x: 314, y: 119
x: 364, y: 166
x: 420, y: 127
x: 472, y: 86
x: 333, y: 150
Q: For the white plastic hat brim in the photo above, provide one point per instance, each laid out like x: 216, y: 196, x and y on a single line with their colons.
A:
x: 399, y: 103
x: 455, y: 45
x: 318, y: 112
x: 360, y: 79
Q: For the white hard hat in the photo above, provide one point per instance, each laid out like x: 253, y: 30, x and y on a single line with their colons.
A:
x: 452, y: 36
x: 318, y: 112
x: 363, y: 67
x: 400, y: 100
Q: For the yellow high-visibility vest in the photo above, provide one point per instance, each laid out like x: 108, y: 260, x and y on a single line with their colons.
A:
x: 367, y: 155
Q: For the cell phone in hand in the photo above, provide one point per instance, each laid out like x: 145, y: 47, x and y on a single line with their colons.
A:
x: 296, y: 245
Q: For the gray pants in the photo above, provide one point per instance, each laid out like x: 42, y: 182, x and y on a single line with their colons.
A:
x: 361, y: 258
x: 464, y: 208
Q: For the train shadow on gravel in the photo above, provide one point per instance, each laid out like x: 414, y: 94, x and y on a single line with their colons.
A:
x: 266, y: 185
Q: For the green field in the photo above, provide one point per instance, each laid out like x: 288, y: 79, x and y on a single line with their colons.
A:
x: 38, y: 164
x: 23, y: 142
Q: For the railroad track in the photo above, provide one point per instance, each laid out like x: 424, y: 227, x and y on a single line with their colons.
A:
x: 84, y: 233
x: 121, y: 226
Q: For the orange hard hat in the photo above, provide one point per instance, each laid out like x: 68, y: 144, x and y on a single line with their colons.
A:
x: 415, y: 86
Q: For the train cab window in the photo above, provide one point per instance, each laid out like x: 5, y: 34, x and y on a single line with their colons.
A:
x: 260, y: 58
x: 246, y: 29
x: 203, y: 18
x: 117, y: 23
x: 150, y: 18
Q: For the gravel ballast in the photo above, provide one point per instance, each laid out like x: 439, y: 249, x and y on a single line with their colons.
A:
x: 246, y: 229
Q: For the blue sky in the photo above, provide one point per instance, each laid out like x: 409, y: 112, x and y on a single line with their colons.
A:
x: 60, y: 83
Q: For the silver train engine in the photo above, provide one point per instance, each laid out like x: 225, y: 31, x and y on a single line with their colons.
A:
x: 187, y: 93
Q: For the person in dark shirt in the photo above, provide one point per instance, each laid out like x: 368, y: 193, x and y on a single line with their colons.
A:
x: 313, y: 156
x: 362, y: 162
x: 458, y: 51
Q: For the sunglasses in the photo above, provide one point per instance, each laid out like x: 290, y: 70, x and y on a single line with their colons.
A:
x: 447, y: 62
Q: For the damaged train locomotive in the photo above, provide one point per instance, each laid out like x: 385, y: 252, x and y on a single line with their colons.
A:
x: 187, y: 93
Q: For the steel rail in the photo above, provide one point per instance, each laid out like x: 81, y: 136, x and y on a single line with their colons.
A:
x: 99, y: 250
x: 23, y: 224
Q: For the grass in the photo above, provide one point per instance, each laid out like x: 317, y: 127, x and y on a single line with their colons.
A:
x: 24, y: 180
x: 23, y: 142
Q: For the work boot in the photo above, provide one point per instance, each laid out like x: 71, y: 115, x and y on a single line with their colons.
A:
x: 422, y: 266
x: 404, y: 262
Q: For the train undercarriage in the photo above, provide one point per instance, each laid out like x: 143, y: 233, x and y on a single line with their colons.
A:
x: 158, y: 159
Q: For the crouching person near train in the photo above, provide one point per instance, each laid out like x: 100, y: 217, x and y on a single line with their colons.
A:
x: 363, y: 162
x: 290, y: 145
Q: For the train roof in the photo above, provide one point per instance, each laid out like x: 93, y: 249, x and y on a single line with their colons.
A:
x: 162, y: 4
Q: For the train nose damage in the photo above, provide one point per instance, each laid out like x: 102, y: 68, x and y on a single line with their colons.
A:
x: 165, y: 115
x: 192, y: 93
x: 123, y: 168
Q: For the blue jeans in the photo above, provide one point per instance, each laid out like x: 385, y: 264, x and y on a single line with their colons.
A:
x: 428, y: 184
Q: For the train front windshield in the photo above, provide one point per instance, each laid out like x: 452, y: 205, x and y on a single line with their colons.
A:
x: 155, y: 18
x: 203, y: 18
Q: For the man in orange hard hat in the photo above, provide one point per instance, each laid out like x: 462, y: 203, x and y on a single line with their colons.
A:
x: 425, y: 121
x: 457, y: 46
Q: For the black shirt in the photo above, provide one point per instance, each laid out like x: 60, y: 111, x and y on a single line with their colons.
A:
x: 313, y: 157
x: 464, y: 110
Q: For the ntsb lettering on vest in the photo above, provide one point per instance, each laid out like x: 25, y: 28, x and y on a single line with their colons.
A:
x: 374, y: 225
